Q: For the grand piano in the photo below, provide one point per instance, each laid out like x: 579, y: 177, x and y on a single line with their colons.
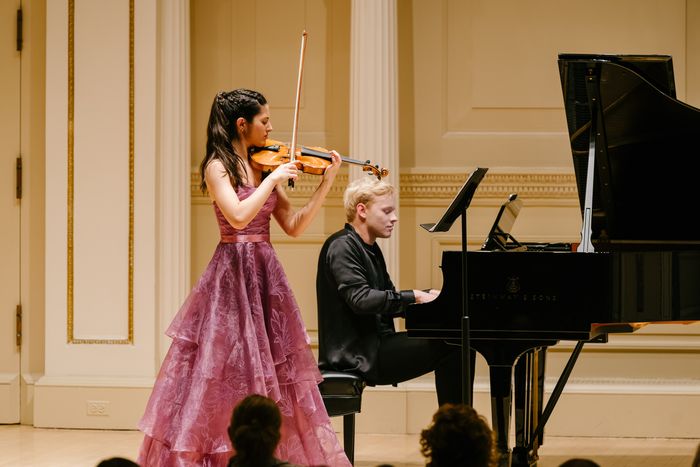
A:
x: 635, y: 157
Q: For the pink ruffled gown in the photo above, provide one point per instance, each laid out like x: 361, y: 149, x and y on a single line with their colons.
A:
x: 239, y: 332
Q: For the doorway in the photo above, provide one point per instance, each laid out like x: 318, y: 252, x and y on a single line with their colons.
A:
x: 9, y: 213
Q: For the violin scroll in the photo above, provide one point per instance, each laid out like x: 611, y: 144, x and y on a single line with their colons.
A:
x: 375, y: 169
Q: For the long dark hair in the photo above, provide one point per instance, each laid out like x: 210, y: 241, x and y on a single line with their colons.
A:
x: 255, y: 430
x: 229, y: 106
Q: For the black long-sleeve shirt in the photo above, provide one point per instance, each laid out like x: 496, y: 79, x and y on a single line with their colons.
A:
x: 356, y: 302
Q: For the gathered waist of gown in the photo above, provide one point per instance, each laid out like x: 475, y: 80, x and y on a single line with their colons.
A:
x: 253, y: 238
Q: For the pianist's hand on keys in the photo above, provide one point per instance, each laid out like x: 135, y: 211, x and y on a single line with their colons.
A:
x: 424, y: 297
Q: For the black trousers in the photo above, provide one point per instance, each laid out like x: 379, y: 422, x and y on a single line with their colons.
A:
x: 402, y: 359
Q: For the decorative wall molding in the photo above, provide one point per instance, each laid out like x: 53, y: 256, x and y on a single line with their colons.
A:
x: 8, y: 378
x: 427, y: 189
x: 303, y: 187
x: 421, y: 188
x: 95, y: 381
x: 633, y: 343
x: 616, y: 403
x: 585, y: 385
x: 70, y: 201
x: 659, y: 386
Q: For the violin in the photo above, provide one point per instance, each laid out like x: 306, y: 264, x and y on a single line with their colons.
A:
x: 311, y: 160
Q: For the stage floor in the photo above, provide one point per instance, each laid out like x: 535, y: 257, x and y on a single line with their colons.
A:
x: 39, y: 447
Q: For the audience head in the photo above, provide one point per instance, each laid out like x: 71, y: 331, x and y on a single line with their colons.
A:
x: 363, y: 191
x: 578, y: 462
x: 255, y: 429
x: 696, y: 460
x: 117, y: 462
x: 458, y: 435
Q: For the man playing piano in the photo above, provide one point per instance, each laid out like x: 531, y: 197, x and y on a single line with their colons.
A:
x: 357, y: 302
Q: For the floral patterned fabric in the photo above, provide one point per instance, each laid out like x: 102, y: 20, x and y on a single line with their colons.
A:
x: 239, y: 332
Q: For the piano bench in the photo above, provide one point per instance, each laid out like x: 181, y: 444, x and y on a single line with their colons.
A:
x: 342, y: 396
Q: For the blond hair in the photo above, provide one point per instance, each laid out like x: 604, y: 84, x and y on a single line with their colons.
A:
x: 364, y: 190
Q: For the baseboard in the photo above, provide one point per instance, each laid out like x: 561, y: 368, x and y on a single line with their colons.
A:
x: 109, y: 403
x: 9, y: 398
x: 587, y: 407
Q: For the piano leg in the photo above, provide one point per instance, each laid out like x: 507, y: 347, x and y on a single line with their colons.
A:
x: 501, y: 357
x: 529, y: 396
x: 500, y: 377
x: 539, y: 440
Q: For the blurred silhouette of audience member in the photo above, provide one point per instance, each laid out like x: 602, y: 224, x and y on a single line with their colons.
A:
x: 458, y: 435
x: 696, y: 460
x: 579, y: 462
x: 255, y: 432
x: 117, y: 462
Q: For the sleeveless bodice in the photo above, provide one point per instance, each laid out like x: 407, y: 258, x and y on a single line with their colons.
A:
x: 260, y: 225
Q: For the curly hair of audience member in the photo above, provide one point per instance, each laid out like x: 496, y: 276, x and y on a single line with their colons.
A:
x: 458, y: 435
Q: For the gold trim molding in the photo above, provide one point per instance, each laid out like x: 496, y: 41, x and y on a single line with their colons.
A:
x: 421, y: 189
x: 70, y: 195
x: 494, y: 185
x: 303, y: 187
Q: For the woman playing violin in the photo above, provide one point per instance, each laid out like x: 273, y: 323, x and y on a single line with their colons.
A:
x: 240, y: 331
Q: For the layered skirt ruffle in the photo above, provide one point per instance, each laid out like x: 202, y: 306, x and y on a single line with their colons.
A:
x: 239, y: 332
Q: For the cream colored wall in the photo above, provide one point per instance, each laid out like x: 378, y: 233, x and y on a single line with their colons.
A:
x: 262, y: 53
x: 485, y: 77
x: 478, y: 86
x: 100, y: 351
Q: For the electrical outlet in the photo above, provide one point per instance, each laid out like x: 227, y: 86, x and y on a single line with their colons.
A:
x: 99, y: 408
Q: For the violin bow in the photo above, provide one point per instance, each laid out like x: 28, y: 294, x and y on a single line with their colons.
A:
x: 293, y: 148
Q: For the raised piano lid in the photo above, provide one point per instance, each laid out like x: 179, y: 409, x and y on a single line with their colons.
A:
x: 647, y: 155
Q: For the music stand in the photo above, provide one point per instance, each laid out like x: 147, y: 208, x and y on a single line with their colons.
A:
x: 458, y: 207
